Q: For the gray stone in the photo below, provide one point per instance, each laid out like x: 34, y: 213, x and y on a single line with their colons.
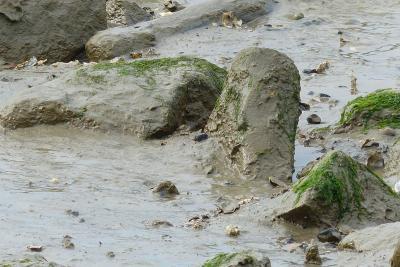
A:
x: 148, y: 98
x: 122, y: 40
x: 125, y: 12
x: 313, y: 119
x: 55, y: 30
x: 330, y: 235
x: 257, y: 114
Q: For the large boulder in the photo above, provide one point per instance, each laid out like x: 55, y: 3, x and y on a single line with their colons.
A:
x: 56, y: 30
x: 340, y: 191
x: 240, y: 259
x: 122, y: 40
x: 150, y: 98
x: 257, y: 114
x: 375, y: 110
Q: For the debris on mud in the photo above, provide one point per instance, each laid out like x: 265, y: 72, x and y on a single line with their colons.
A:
x: 166, y: 189
x: 229, y: 20
x: 160, y: 223
x: 67, y: 243
x: 110, y: 254
x: 312, y: 255
x: 198, y: 222
x: 232, y: 230
x: 353, y: 85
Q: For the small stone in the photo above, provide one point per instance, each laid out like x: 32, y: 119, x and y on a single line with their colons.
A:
x: 200, y: 137
x: 376, y: 161
x: 166, y: 188
x: 172, y: 6
x: 67, y: 243
x: 322, y: 67
x: 312, y: 255
x: 110, y: 254
x: 35, y: 248
x: 296, y: 16
x: 232, y: 230
x: 388, y: 131
x: 330, y: 235
x: 72, y: 212
x: 313, y: 119
x: 159, y: 223
x: 304, y: 106
x: 349, y: 245
x: 309, y: 71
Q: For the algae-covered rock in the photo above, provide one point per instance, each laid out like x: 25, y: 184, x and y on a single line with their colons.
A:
x: 339, y: 190
x: 241, y: 259
x: 35, y: 260
x: 150, y: 98
x: 256, y: 116
x: 376, y: 110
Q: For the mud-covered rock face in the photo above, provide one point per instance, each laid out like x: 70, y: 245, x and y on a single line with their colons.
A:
x: 55, y: 30
x: 376, y: 110
x: 150, y: 98
x: 340, y: 190
x: 257, y: 114
x: 248, y: 259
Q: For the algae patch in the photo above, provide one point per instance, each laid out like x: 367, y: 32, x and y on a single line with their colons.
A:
x: 219, y: 259
x: 378, y: 109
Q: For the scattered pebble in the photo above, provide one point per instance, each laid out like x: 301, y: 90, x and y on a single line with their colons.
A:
x: 166, y: 188
x: 110, y: 254
x: 330, y: 235
x: 67, y: 243
x: 296, y: 16
x: 313, y: 119
x: 312, y: 255
x: 232, y: 230
x: 34, y: 248
x: 200, y: 137
x: 72, y: 212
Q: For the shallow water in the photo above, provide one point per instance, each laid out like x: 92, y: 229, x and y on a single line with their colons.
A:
x: 107, y: 177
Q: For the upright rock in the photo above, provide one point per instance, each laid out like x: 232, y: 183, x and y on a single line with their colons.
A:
x: 340, y: 191
x: 256, y: 116
x: 55, y: 30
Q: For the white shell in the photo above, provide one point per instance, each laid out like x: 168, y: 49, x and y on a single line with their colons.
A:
x: 397, y: 187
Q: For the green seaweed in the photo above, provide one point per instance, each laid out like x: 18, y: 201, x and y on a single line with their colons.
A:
x: 365, y: 109
x: 219, y: 259
x: 329, y: 183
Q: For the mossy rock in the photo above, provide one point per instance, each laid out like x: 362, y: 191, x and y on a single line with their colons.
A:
x: 248, y: 259
x: 36, y: 260
x: 376, y: 110
x: 339, y: 189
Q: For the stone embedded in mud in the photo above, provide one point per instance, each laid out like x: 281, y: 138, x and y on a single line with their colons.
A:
x: 119, y: 41
x: 312, y: 255
x: 166, y: 188
x: 330, y: 235
x: 379, y: 109
x: 67, y: 242
x: 248, y: 259
x: 389, y: 131
x: 339, y: 190
x: 256, y: 117
x: 313, y: 119
x: 55, y: 30
x: 395, y: 260
x: 149, y: 98
x: 232, y: 230
x: 125, y: 12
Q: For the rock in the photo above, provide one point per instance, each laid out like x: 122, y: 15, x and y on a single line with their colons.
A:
x: 172, y: 6
x: 166, y: 188
x: 200, y: 137
x: 158, y: 223
x: 388, y: 131
x: 313, y: 119
x: 304, y: 106
x: 149, y: 98
x: 232, y: 230
x: 55, y: 30
x: 240, y: 259
x: 125, y: 12
x: 375, y: 160
x: 119, y: 41
x: 383, y: 238
x: 110, y: 254
x: 330, y: 235
x: 339, y: 191
x: 321, y: 68
x: 35, y: 248
x: 256, y: 117
x: 377, y: 110
x: 312, y: 255
x: 395, y: 260
x: 296, y: 16
x: 67, y: 242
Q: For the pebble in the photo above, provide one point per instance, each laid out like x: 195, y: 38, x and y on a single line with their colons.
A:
x: 376, y: 161
x: 330, y: 235
x: 312, y: 255
x: 67, y: 243
x: 166, y: 188
x: 313, y: 119
x: 232, y: 230
x: 304, y: 106
x: 159, y: 223
x: 388, y: 131
x: 110, y: 254
x: 200, y: 137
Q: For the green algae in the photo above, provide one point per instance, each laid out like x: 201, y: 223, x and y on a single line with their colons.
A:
x: 378, y: 109
x: 219, y: 259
